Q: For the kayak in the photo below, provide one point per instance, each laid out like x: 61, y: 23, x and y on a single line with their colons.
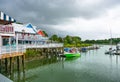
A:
x: 71, y: 54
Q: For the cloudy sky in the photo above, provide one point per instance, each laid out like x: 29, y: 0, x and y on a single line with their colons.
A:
x: 89, y: 19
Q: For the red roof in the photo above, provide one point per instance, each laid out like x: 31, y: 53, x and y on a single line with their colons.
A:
x: 40, y: 32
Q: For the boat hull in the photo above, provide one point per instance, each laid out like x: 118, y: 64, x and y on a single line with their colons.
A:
x: 72, y: 54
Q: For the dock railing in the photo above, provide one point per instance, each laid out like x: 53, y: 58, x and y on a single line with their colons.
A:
x: 50, y: 45
x: 22, y: 48
x: 11, y: 49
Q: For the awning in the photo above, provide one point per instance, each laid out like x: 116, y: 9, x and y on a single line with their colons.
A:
x: 4, y: 17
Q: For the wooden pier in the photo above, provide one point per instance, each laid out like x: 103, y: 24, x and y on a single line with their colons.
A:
x: 13, y: 57
x: 8, y: 55
x: 11, y: 62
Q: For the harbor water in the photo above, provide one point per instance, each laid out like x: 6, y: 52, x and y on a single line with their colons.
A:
x: 92, y: 66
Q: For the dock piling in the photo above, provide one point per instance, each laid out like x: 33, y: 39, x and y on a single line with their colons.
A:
x: 6, y: 65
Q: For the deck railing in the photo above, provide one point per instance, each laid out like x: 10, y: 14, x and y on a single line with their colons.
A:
x: 22, y: 48
x: 50, y: 45
x: 11, y: 49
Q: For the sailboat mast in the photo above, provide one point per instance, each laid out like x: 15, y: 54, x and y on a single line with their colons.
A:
x: 111, y: 38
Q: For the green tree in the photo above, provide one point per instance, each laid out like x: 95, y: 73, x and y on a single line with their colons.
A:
x: 45, y: 33
x: 68, y: 39
x: 54, y: 37
x: 60, y: 39
x: 76, y: 40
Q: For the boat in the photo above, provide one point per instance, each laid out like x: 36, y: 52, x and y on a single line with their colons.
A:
x: 110, y: 51
x: 84, y: 49
x: 71, y: 58
x: 67, y: 54
x: 71, y: 52
x: 114, y: 51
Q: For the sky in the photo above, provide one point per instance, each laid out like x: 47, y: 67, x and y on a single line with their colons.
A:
x: 89, y: 19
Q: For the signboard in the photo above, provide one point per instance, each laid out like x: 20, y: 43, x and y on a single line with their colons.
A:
x: 6, y: 29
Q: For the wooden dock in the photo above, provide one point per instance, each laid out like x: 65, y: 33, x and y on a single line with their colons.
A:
x: 8, y: 55
x: 13, y: 57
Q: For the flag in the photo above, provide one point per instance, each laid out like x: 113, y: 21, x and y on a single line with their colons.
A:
x: 40, y: 32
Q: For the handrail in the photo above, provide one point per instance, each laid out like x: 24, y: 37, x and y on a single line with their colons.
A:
x: 11, y: 49
x: 48, y: 45
x: 22, y: 48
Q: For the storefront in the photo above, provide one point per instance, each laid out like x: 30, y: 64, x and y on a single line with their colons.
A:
x: 6, y: 29
x: 6, y: 32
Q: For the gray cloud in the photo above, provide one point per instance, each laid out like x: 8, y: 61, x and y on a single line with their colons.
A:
x: 53, y: 12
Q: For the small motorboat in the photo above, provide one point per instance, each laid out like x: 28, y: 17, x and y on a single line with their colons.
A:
x: 67, y: 54
x: 110, y: 51
x: 71, y: 52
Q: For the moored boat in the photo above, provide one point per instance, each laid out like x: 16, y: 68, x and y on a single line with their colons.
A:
x: 71, y: 52
x: 67, y: 54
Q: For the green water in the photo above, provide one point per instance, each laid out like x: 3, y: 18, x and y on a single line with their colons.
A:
x: 93, y: 66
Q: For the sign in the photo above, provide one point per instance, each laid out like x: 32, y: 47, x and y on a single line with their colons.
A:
x: 6, y: 29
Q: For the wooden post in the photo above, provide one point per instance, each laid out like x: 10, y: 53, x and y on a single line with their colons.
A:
x: 10, y: 65
x: 23, y: 63
x: 62, y: 50
x: 0, y: 65
x: 47, y: 53
x: 18, y: 64
x: 6, y: 65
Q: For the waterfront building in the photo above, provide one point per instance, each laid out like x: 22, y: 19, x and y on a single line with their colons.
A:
x: 6, y: 29
x: 16, y: 37
x: 27, y: 34
x: 13, y: 33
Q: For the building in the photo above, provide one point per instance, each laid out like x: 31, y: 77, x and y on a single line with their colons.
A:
x: 6, y: 29
x: 5, y: 19
x: 16, y: 38
x: 27, y: 34
x: 13, y: 33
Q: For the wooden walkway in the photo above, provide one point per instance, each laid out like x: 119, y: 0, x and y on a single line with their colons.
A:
x: 14, y: 54
x: 13, y: 51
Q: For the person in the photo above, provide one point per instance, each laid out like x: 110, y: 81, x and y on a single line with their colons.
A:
x: 71, y: 51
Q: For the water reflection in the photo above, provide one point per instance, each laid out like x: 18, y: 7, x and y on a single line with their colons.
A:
x: 20, y: 76
x: 93, y: 66
x: 114, y: 64
x: 117, y: 59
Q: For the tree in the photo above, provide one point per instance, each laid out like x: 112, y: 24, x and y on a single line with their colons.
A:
x: 72, y: 40
x: 60, y: 39
x: 54, y: 37
x: 45, y: 33
x: 68, y: 39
